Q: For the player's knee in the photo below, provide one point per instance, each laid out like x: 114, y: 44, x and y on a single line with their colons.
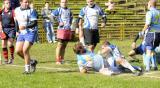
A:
x: 25, y: 51
x: 18, y: 51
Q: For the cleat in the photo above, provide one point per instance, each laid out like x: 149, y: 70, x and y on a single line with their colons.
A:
x: 33, y: 65
x: 54, y: 41
x: 58, y: 63
x: 10, y: 61
x: 137, y: 73
x: 155, y: 68
x: 146, y: 71
x: 26, y: 73
x: 5, y: 62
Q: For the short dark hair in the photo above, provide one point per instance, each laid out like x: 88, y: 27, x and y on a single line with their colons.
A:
x: 46, y: 2
x: 106, y: 42
x: 79, y: 48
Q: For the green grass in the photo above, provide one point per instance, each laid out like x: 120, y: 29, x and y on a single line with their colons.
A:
x: 0, y: 4
x: 50, y: 75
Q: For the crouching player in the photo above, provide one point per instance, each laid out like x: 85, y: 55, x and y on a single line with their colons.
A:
x: 87, y: 60
x: 112, y: 50
x: 26, y: 20
x: 141, y: 50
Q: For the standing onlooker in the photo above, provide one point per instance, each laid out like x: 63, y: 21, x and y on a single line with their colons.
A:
x: 64, y: 17
x: 91, y: 13
x: 152, y: 37
x: 48, y: 23
x: 8, y: 32
x: 26, y: 20
x: 110, y: 6
x: 36, y: 27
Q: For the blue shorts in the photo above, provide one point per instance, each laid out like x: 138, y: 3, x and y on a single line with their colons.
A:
x: 152, y: 40
x: 27, y: 35
x: 140, y: 49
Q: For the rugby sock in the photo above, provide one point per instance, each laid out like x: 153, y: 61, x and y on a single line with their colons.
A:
x: 147, y: 62
x: 144, y: 60
x: 153, y: 60
x: 27, y: 68
x: 12, y: 51
x: 5, y: 53
x: 128, y: 65
x: 59, y: 59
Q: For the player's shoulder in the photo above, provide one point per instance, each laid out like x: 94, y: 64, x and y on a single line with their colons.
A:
x: 17, y: 9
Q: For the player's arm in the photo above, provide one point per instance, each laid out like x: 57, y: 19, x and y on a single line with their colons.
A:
x: 0, y: 24
x: 81, y: 66
x: 0, y: 21
x: 104, y: 18
x: 16, y: 25
x: 32, y: 24
x: 148, y: 21
x: 80, y: 23
x: 33, y: 20
x: 43, y: 14
x: 16, y: 22
x: 80, y: 28
x: 71, y: 17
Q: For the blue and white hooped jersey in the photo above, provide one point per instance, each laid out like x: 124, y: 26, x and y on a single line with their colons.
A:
x: 153, y: 19
x: 64, y: 15
x: 91, y: 16
x: 24, y: 17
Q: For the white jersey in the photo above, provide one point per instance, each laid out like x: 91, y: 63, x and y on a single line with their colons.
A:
x: 24, y: 16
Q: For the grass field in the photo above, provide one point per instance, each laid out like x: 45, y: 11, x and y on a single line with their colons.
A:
x: 50, y: 75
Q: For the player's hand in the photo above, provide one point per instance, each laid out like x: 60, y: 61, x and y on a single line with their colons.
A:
x: 133, y: 45
x: 103, y: 24
x: 83, y: 70
x: 17, y: 33
x: 22, y: 27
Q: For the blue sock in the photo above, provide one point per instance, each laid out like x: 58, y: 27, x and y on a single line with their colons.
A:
x: 153, y: 60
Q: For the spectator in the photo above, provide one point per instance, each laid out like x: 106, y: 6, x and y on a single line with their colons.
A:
x: 48, y: 23
x: 110, y: 6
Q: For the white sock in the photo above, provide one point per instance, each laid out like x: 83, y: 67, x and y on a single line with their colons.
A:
x: 27, y: 68
x: 127, y: 65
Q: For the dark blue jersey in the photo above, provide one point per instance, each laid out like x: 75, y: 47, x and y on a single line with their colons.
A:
x: 7, y: 19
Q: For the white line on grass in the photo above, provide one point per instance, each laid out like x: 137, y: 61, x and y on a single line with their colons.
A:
x: 146, y: 75
x: 150, y: 73
x: 152, y: 77
x: 47, y: 68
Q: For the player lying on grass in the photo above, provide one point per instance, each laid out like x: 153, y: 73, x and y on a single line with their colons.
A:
x: 87, y: 60
x: 109, y: 50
